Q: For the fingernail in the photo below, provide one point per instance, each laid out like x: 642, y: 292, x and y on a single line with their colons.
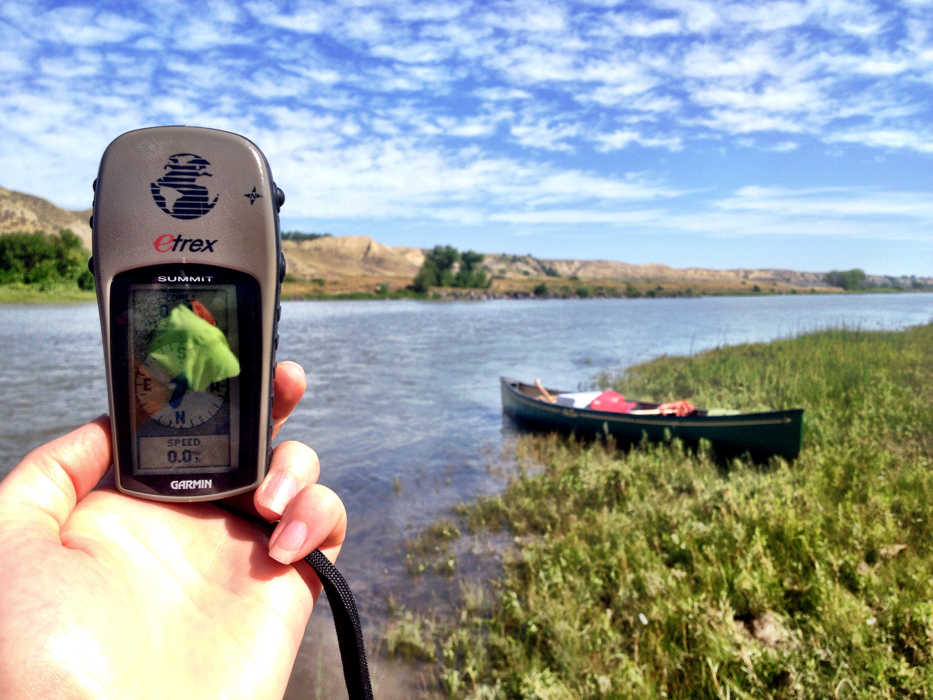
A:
x: 279, y: 492
x: 287, y: 541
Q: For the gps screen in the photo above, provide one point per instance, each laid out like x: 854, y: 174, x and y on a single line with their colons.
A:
x: 184, y: 374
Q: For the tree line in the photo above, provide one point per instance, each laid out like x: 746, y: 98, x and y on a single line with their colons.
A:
x: 437, y: 270
x: 44, y: 260
x: 849, y: 280
x: 302, y: 236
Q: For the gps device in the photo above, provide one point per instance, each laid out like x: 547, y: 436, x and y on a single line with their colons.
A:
x: 188, y: 264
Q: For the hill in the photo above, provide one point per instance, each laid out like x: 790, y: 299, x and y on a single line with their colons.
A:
x: 331, y: 257
x: 342, y: 264
x: 26, y: 212
x: 610, y: 270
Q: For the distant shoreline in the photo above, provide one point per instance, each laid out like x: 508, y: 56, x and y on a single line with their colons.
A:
x: 19, y: 294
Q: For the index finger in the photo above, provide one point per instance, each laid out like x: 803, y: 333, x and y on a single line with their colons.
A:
x: 290, y: 385
x: 48, y: 483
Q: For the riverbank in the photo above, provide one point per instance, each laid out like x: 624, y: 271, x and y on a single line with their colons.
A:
x: 339, y: 291
x: 666, y: 573
x: 64, y: 293
x: 534, y: 288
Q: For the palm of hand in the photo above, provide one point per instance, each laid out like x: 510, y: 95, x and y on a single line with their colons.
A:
x: 159, y: 600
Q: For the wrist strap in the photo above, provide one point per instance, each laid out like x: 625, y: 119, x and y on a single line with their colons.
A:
x: 343, y: 609
x: 347, y: 622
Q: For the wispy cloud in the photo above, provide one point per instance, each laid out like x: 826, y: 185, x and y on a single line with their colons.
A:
x: 514, y: 111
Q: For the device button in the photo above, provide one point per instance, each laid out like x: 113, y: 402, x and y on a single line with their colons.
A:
x: 90, y: 221
x: 281, y: 267
x: 279, y: 197
x: 90, y: 264
x: 94, y: 185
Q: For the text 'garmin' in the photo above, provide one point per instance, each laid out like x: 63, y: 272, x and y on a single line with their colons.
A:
x: 187, y: 484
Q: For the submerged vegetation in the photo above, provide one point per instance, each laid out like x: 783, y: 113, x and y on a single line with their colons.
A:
x: 663, y: 572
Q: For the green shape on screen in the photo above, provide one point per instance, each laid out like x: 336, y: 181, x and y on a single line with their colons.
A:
x: 187, y: 345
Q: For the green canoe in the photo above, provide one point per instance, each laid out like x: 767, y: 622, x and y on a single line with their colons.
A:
x: 760, y: 434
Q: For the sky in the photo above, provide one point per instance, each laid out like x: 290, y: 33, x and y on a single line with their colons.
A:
x: 791, y: 134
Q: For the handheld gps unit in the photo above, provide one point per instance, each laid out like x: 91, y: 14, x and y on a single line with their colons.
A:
x: 188, y: 264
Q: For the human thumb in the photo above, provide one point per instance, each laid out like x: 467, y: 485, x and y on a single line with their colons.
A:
x: 45, y: 487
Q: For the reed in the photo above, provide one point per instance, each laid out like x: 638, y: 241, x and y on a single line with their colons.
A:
x: 664, y: 572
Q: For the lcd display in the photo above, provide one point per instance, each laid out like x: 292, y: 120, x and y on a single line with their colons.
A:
x: 184, y: 375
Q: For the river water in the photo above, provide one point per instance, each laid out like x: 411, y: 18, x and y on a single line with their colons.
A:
x: 403, y: 397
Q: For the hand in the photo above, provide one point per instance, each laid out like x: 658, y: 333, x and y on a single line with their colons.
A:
x: 107, y: 596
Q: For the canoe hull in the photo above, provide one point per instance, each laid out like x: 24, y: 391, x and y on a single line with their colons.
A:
x: 759, y: 434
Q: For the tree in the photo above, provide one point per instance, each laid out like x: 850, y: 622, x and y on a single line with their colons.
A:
x: 470, y: 274
x: 426, y: 278
x: 849, y: 280
x: 443, y: 257
x: 437, y: 270
x: 36, y: 258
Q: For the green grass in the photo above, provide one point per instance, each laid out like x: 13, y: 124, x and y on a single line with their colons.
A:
x: 64, y: 292
x: 663, y: 572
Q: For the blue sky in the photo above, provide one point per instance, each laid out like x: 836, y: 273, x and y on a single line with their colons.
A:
x: 793, y: 134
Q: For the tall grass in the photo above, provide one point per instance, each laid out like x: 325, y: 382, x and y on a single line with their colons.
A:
x: 663, y: 572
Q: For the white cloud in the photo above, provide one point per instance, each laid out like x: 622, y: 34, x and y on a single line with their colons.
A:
x: 882, y: 66
x: 69, y: 68
x: 643, y: 28
x: 698, y: 16
x: 79, y: 26
x: 545, y: 134
x: 617, y: 140
x: 769, y: 17
x: 528, y: 17
x: 750, y: 121
x: 419, y: 52
x: 501, y: 94
x: 11, y: 62
x: 468, y: 128
x: 517, y: 112
x: 918, y: 140
x: 580, y: 216
x: 861, y: 208
x: 746, y: 61
x: 535, y: 64
x: 429, y: 12
x: 308, y: 20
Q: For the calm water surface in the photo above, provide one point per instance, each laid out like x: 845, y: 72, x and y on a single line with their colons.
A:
x: 406, y: 393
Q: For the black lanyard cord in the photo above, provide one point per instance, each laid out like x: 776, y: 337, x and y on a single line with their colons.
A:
x: 347, y: 623
x: 343, y: 609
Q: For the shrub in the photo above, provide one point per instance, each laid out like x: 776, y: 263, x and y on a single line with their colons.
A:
x: 43, y: 260
x: 850, y: 280
x: 437, y: 270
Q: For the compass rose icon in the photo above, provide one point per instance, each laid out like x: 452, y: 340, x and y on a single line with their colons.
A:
x: 252, y: 196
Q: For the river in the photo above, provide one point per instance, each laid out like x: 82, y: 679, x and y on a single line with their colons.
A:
x: 403, y: 396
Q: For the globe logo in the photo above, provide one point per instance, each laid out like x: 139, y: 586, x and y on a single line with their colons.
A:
x: 178, y: 193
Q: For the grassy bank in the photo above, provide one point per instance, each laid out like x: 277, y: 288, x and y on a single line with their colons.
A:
x: 62, y: 293
x: 664, y: 573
